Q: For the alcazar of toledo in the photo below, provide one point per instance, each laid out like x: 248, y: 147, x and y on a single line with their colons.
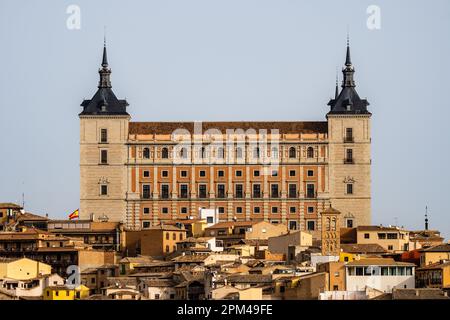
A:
x: 141, y: 174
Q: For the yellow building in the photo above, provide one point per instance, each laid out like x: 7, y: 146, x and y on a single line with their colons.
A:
x: 434, y: 254
x: 392, y: 239
x: 65, y: 293
x: 22, y: 268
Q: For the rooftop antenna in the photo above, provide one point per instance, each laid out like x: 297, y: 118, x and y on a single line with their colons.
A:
x: 426, y: 217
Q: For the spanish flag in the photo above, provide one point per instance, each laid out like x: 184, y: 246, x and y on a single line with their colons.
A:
x: 74, y: 215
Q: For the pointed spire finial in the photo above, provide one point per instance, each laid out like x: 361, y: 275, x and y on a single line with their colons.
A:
x: 105, y: 57
x: 348, y: 61
x: 426, y: 217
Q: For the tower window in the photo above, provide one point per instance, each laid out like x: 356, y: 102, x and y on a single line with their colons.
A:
x: 349, y: 135
x: 104, y: 190
x: 349, y: 188
x: 104, y: 156
x: 310, y: 152
x: 349, y: 156
x: 104, y: 135
x: 146, y: 153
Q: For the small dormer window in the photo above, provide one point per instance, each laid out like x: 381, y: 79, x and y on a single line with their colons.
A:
x: 349, y: 107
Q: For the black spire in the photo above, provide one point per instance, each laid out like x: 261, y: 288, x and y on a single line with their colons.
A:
x: 426, y: 217
x: 104, y: 102
x: 104, y: 71
x: 336, y: 91
x: 348, y: 100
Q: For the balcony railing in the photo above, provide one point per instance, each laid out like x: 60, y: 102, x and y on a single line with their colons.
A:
x: 349, y: 161
x: 349, y: 140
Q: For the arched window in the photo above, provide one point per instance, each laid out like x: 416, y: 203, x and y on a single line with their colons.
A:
x: 167, y: 236
x: 292, y: 152
x: 146, y: 153
x: 183, y: 153
x: 256, y: 152
x: 203, y: 153
x: 220, y: 153
x: 310, y: 152
x: 274, y: 153
x: 239, y: 153
x: 165, y: 153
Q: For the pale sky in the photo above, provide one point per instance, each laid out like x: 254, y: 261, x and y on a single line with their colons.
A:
x: 235, y: 60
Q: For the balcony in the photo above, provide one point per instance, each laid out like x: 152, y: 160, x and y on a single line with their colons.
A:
x: 349, y: 161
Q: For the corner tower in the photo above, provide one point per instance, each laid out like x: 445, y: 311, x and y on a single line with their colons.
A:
x: 103, y: 153
x: 349, y: 151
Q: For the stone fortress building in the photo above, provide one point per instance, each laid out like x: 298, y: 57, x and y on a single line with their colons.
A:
x: 140, y: 174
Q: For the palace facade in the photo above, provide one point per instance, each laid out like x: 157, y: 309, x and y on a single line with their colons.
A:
x: 144, y: 173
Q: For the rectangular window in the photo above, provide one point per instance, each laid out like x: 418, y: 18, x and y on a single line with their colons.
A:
x: 165, y: 210
x: 392, y: 236
x: 256, y: 173
x: 146, y: 224
x: 274, y: 209
x: 256, y: 191
x: 292, y: 225
x: 184, y: 191
x: 183, y: 173
x: 292, y: 191
x: 238, y: 209
x: 311, y: 225
x: 366, y: 236
x: 146, y: 174
x: 256, y: 210
x: 220, y: 191
x: 349, y: 223
x: 146, y: 210
x: 274, y: 191
x: 221, y: 210
x: 310, y: 209
x: 165, y: 191
x: 238, y: 191
x: 220, y: 173
x: 390, y: 247
x: 238, y: 173
x: 292, y: 209
x: 184, y: 210
x: 146, y: 191
x: 310, y: 173
x: 275, y: 173
x: 310, y: 191
x: 202, y: 173
x: 103, y: 135
x: 104, y: 190
x: 291, y: 173
x: 164, y: 173
x: 382, y: 236
x: 202, y: 191
x: 348, y: 134
x: 349, y: 188
x: 104, y: 156
x: 349, y: 156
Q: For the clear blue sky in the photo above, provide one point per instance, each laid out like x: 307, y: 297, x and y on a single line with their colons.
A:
x: 228, y: 60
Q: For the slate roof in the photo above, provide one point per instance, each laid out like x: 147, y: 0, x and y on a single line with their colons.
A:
x: 282, y: 126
